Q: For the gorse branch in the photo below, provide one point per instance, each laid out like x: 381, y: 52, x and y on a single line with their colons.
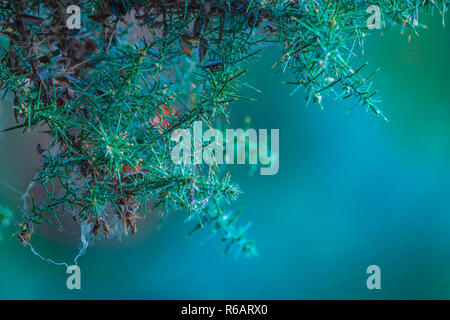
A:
x: 111, y: 94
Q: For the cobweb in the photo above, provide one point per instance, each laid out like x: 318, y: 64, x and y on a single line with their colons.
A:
x: 87, y: 237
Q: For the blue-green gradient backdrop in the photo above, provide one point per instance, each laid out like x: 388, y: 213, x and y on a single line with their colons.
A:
x: 352, y: 190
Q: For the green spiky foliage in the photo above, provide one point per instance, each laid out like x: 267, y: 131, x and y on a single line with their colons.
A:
x: 110, y: 95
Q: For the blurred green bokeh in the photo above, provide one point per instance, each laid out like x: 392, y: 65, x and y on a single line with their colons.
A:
x: 352, y: 191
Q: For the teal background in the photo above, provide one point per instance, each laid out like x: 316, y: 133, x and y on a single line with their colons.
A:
x: 352, y: 191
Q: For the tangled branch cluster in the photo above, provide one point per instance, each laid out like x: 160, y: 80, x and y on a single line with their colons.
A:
x: 110, y: 95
